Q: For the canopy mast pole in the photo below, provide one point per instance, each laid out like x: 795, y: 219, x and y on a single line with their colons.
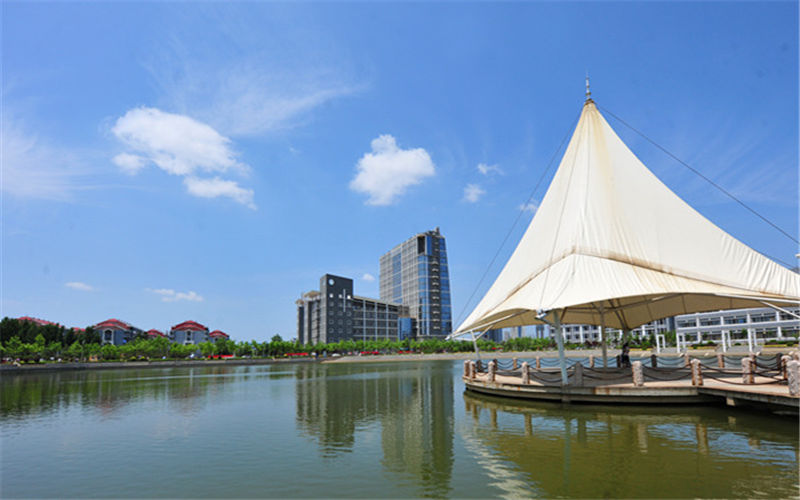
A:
x: 562, y: 361
x: 603, y: 336
x: 475, y: 344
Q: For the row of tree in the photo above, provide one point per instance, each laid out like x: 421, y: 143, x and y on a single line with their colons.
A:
x: 28, y: 341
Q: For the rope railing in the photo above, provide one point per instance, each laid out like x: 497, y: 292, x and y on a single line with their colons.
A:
x: 666, y: 374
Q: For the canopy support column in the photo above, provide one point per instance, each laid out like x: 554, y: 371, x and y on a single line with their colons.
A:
x: 562, y: 361
x: 475, y: 344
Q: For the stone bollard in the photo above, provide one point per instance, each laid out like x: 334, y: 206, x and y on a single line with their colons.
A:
x: 526, y: 376
x: 473, y: 370
x: 720, y: 361
x: 492, y: 370
x: 796, y: 355
x: 538, y: 363
x: 578, y: 375
x: 785, y: 366
x: 697, y: 372
x: 479, y: 366
x: 794, y: 377
x: 687, y: 360
x: 591, y: 361
x: 747, y: 370
x: 466, y: 368
x: 638, y: 376
x: 515, y: 363
x: 654, y: 360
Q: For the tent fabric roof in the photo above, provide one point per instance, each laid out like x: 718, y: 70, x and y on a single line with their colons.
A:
x: 609, y: 236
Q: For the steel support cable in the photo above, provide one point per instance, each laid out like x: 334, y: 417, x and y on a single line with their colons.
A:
x: 516, y: 220
x: 697, y: 172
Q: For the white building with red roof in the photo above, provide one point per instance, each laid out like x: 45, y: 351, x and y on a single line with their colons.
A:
x: 37, y: 321
x: 218, y: 335
x: 189, y: 333
x: 115, y: 331
x: 154, y: 333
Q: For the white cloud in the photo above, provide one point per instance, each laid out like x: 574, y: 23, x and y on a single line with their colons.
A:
x: 130, y: 164
x: 182, y: 146
x: 489, y: 169
x: 388, y: 171
x: 473, y: 193
x: 35, y: 168
x: 169, y: 295
x: 368, y: 277
x: 216, y: 187
x: 531, y: 207
x: 177, y: 144
x: 77, y: 285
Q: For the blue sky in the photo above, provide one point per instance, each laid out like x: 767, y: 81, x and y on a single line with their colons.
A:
x: 164, y: 162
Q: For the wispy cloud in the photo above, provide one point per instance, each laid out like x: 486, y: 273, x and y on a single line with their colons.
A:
x: 169, y: 295
x: 473, y: 193
x: 216, y: 187
x: 273, y: 84
x: 388, y: 171
x: 368, y: 277
x: 180, y: 145
x: 35, y: 168
x: 531, y: 207
x: 485, y: 169
x: 80, y: 286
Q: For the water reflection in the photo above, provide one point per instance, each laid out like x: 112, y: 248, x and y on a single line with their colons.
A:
x: 634, y: 452
x: 412, y: 407
x: 185, y: 390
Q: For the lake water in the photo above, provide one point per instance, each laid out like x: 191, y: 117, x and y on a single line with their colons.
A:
x: 365, y: 430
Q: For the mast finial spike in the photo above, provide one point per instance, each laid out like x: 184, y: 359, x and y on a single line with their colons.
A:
x: 588, y: 91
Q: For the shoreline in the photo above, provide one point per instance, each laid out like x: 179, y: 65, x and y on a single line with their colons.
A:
x: 383, y: 358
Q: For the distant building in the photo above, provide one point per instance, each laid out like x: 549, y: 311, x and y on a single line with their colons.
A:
x: 188, y: 333
x: 742, y: 325
x: 415, y: 274
x: 334, y: 313
x: 37, y: 321
x: 218, y: 335
x: 154, y: 334
x: 115, y: 331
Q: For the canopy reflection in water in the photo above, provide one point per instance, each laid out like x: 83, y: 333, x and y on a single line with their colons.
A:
x: 631, y: 452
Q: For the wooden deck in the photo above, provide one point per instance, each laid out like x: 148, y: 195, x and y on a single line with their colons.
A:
x: 773, y: 397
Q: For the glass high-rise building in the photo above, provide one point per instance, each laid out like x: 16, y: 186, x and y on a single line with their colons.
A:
x: 414, y: 274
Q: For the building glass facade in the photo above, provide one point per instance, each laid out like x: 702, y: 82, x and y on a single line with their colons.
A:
x: 415, y: 274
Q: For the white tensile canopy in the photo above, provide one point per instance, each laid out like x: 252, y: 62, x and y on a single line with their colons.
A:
x: 611, y: 245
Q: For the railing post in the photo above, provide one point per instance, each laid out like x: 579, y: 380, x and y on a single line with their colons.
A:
x: 794, y: 378
x: 654, y: 360
x: 784, y: 366
x: 697, y: 372
x: 591, y: 361
x: 720, y: 361
x: 473, y: 370
x: 578, y: 375
x: 747, y: 370
x: 492, y: 370
x: 538, y: 363
x: 687, y: 359
x: 466, y: 368
x: 526, y: 376
x: 515, y: 363
x: 638, y: 376
x: 479, y: 365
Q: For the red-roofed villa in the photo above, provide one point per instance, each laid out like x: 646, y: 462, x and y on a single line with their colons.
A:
x: 155, y: 333
x: 40, y: 322
x: 115, y: 331
x: 217, y: 335
x: 188, y: 333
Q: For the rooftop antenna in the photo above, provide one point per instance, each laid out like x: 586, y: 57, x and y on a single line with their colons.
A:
x: 588, y: 91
